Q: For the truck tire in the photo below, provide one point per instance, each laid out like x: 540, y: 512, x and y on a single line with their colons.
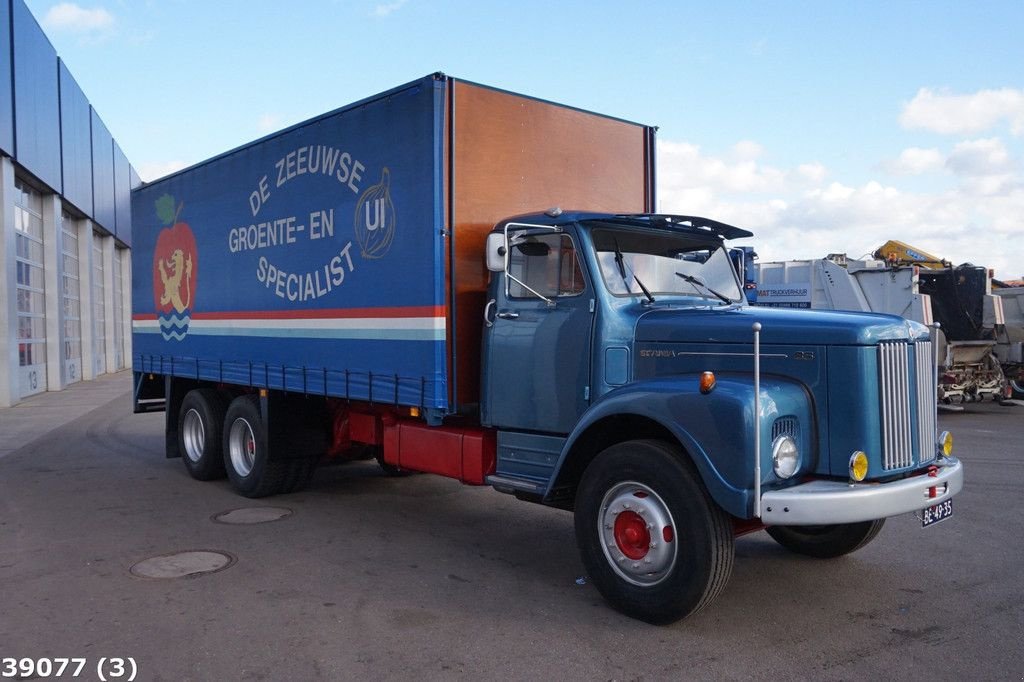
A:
x: 826, y: 542
x: 200, y: 424
x: 652, y: 540
x: 1017, y: 386
x: 247, y: 456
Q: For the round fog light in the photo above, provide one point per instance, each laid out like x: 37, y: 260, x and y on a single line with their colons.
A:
x: 946, y: 443
x: 785, y: 457
x: 858, y: 466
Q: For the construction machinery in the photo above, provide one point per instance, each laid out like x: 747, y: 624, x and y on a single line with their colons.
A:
x: 973, y: 346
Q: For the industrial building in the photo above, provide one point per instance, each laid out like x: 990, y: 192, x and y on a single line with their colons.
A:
x: 65, y: 222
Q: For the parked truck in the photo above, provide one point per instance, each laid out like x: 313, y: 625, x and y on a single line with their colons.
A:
x: 1009, y: 334
x: 356, y: 284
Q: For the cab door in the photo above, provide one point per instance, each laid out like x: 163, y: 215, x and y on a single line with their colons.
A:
x: 538, y: 336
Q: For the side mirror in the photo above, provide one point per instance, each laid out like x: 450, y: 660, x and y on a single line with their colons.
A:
x: 496, y: 252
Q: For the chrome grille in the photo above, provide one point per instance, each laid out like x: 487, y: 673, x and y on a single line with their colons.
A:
x: 894, y: 381
x: 926, y: 396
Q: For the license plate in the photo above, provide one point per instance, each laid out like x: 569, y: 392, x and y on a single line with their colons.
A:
x: 936, y: 512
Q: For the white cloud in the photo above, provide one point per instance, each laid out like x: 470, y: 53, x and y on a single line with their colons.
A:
x: 388, y: 8
x: 979, y: 157
x: 812, y: 172
x: 800, y: 213
x: 915, y: 161
x: 693, y: 169
x: 72, y: 18
x: 942, y: 112
x: 152, y: 170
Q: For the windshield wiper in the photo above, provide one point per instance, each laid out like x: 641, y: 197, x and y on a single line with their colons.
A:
x: 650, y: 299
x: 622, y: 273
x: 698, y: 282
x: 620, y: 263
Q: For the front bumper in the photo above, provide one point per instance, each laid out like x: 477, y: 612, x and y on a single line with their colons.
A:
x: 828, y: 502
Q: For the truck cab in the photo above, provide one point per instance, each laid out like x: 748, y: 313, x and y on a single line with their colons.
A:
x: 628, y: 379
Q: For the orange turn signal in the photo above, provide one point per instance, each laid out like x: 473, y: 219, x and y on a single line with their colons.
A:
x: 707, y: 382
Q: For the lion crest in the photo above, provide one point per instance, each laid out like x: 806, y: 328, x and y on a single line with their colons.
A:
x: 175, y: 269
x: 180, y: 267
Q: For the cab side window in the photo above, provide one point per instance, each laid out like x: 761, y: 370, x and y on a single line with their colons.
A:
x: 548, y: 264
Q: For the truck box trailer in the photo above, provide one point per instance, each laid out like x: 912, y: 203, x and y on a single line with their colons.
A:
x: 356, y: 236
x: 372, y: 282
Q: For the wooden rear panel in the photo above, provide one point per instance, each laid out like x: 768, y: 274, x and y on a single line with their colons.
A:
x: 512, y: 155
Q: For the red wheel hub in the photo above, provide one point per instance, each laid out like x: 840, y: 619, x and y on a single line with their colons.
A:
x: 631, y: 535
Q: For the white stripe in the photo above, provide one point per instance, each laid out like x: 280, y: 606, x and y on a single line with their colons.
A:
x: 429, y: 323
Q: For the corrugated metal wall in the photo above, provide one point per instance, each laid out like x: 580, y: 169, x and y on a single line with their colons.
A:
x: 6, y: 95
x: 102, y: 173
x: 36, y: 100
x: 76, y: 142
x: 122, y: 196
x: 48, y: 127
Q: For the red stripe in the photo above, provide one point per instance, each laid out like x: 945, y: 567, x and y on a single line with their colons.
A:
x: 319, y: 314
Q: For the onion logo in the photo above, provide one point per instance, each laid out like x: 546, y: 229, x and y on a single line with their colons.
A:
x: 375, y: 218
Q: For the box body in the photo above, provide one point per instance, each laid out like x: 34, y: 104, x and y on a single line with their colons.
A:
x: 344, y: 256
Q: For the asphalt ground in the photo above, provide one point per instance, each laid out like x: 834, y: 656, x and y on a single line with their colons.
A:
x: 376, y: 578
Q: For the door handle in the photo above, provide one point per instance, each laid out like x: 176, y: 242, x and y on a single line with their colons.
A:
x: 487, y: 313
x: 508, y: 315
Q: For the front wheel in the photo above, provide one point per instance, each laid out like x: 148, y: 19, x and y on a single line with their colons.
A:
x: 826, y: 542
x: 1017, y: 385
x: 653, y: 542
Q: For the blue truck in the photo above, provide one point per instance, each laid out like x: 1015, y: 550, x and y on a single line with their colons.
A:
x: 384, y: 281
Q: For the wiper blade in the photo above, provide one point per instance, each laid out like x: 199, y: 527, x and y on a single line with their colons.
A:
x: 619, y: 262
x: 650, y: 299
x: 697, y: 282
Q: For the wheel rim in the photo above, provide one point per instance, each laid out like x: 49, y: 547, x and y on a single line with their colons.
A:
x: 242, y: 447
x: 637, y: 534
x: 193, y: 434
x: 1017, y: 386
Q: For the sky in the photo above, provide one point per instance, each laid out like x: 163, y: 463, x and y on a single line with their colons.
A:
x: 823, y: 127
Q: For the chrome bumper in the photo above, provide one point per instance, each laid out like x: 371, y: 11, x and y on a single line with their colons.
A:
x: 828, y: 502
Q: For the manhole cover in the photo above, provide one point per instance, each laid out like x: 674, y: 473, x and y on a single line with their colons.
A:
x: 183, y: 564
x: 250, y: 515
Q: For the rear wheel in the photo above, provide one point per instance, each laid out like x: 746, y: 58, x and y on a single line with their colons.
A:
x: 200, y: 422
x: 653, y: 542
x: 826, y: 542
x: 255, y: 471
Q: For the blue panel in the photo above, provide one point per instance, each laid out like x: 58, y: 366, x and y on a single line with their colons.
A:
x: 526, y: 455
x: 310, y: 260
x: 6, y: 95
x: 122, y: 197
x: 36, y: 99
x: 76, y: 142
x: 104, y: 212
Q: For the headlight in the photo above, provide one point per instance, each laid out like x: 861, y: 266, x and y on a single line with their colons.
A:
x: 785, y: 456
x: 858, y: 466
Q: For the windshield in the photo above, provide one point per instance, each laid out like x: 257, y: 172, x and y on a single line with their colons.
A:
x: 666, y: 264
